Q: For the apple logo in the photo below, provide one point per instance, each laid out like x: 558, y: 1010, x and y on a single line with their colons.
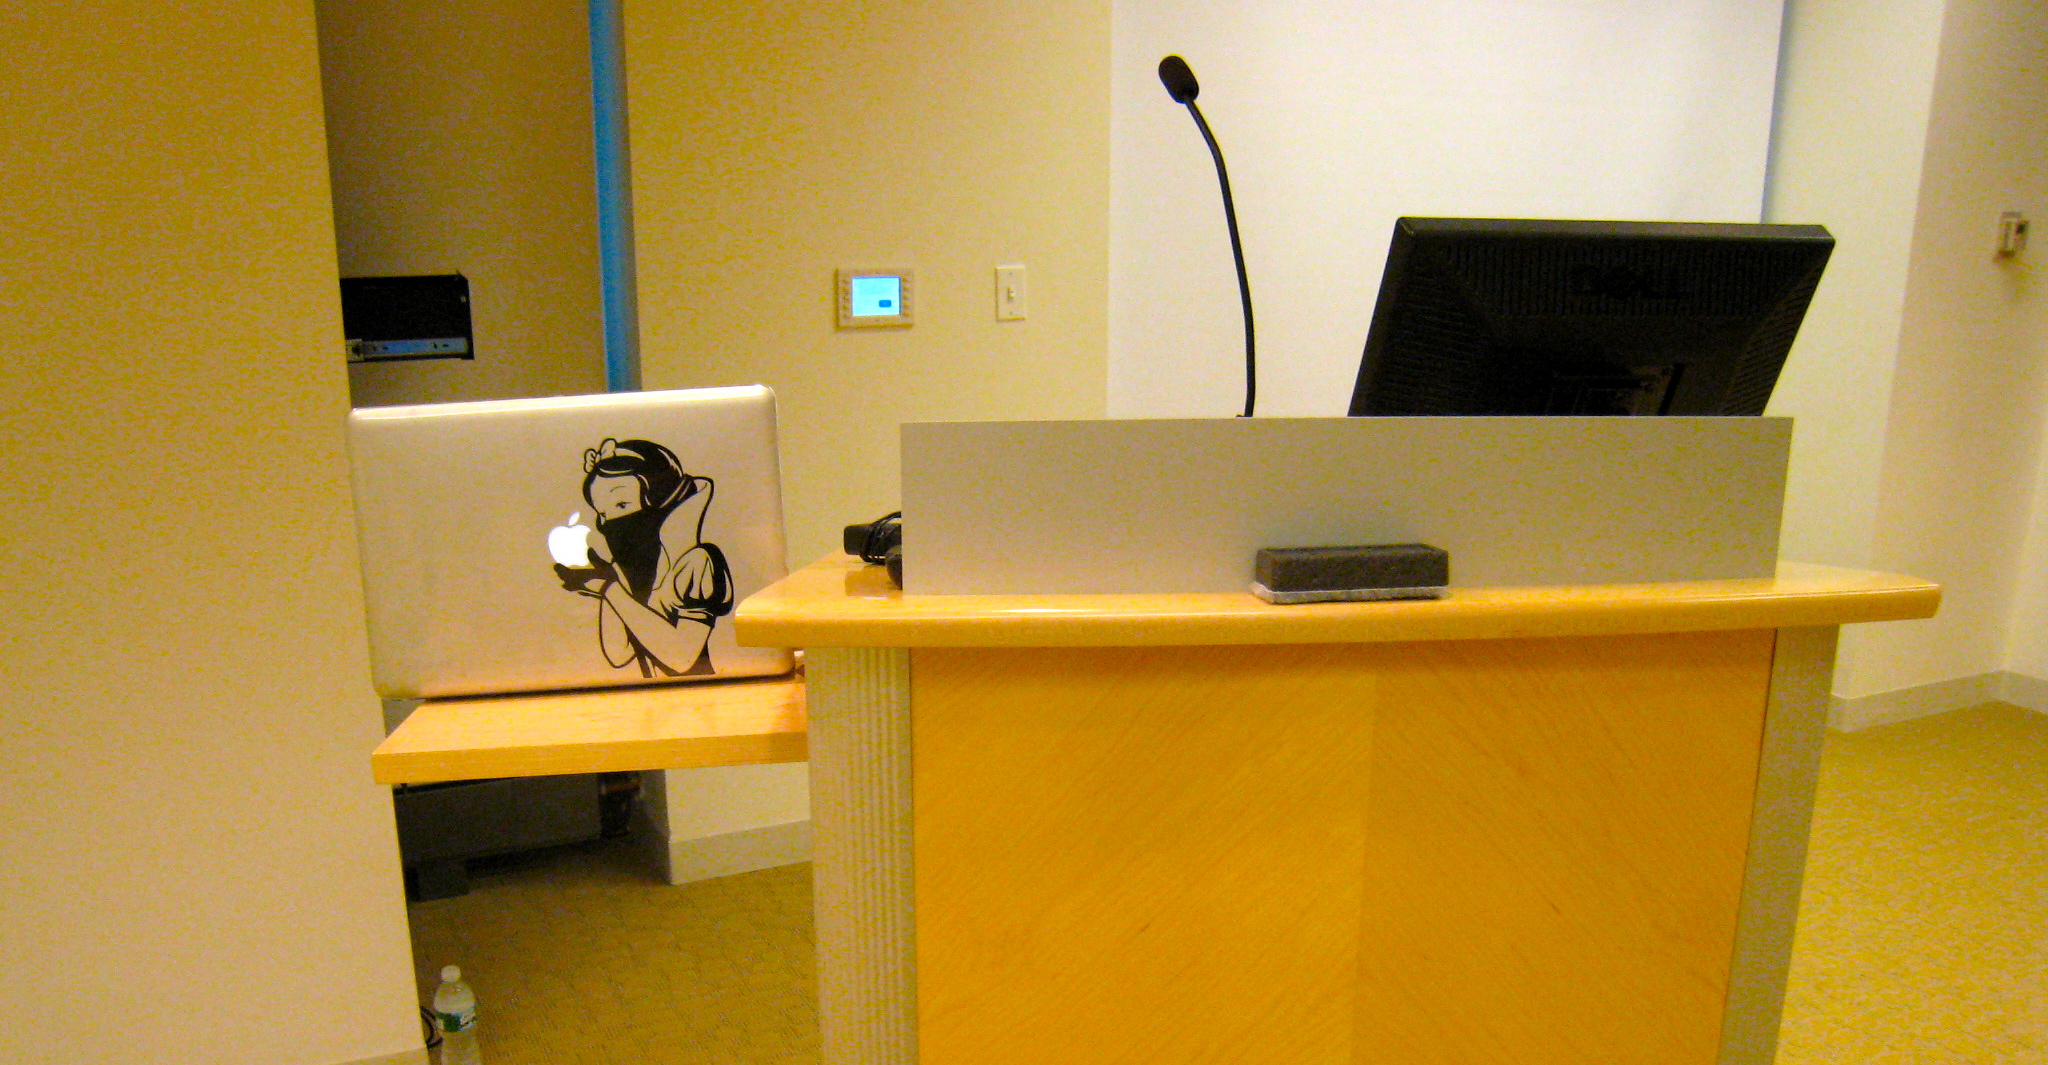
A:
x: 570, y: 542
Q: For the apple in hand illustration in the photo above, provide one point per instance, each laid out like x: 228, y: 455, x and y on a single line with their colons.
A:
x: 570, y: 542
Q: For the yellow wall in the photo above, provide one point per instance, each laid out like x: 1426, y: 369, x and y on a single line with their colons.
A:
x: 460, y: 134
x: 774, y: 143
x: 197, y: 867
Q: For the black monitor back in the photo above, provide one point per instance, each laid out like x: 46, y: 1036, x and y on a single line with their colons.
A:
x: 1524, y: 316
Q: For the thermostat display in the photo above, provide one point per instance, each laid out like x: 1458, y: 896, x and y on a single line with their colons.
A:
x: 874, y: 297
x: 877, y: 295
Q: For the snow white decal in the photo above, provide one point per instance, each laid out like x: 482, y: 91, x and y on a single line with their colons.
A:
x: 659, y: 587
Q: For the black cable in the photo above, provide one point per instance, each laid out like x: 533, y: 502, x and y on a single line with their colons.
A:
x: 884, y: 533
x: 1244, y: 285
x: 433, y: 1027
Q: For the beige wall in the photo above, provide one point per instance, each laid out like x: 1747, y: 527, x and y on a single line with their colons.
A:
x: 1967, y: 393
x: 1907, y: 128
x: 460, y: 133
x: 1855, y: 90
x: 1994, y: 78
x: 1855, y: 86
x: 198, y: 869
x: 774, y: 143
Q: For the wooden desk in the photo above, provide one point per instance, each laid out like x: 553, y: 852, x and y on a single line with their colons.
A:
x: 1526, y: 825
x: 670, y: 726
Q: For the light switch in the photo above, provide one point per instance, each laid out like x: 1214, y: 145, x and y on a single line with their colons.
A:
x: 1009, y: 293
x: 2012, y: 233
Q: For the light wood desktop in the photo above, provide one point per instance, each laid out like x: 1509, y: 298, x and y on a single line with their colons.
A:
x: 668, y: 726
x: 1534, y: 825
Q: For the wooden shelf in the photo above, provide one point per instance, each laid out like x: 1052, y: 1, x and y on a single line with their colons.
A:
x: 839, y: 602
x: 671, y: 726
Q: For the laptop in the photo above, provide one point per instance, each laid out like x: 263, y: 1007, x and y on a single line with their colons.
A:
x: 566, y: 542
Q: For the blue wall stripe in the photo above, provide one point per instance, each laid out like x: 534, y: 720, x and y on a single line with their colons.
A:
x: 614, y: 197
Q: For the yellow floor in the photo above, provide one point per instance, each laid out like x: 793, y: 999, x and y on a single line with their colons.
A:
x: 1923, y: 936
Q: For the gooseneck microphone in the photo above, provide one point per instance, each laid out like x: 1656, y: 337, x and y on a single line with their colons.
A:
x: 1181, y: 85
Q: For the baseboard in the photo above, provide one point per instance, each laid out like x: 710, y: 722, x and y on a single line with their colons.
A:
x: 1926, y: 700
x: 403, y: 1057
x: 2023, y: 691
x: 738, y: 852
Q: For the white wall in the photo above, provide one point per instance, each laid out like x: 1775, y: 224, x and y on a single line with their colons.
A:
x: 1854, y: 95
x: 703, y: 823
x: 198, y: 868
x: 2026, y: 650
x: 702, y: 803
x: 1906, y: 128
x: 1959, y: 471
x: 1337, y: 117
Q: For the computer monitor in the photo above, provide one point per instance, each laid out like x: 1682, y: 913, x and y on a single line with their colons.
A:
x: 1524, y: 316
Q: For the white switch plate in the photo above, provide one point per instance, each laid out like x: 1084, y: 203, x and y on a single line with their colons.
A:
x: 1010, y: 293
x: 2012, y: 233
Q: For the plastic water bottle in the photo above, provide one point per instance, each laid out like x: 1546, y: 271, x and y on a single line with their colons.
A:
x: 455, y: 1016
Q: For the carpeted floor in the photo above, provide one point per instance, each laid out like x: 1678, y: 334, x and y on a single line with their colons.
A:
x: 583, y: 956
x: 1923, y: 931
x: 1923, y: 936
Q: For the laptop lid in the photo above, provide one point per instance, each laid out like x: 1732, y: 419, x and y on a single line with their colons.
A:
x: 566, y: 542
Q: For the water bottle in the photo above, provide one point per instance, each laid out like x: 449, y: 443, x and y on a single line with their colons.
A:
x: 455, y: 1016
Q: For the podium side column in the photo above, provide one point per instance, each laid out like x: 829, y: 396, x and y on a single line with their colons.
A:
x: 861, y: 854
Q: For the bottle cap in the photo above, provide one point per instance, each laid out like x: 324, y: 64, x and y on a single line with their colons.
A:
x: 450, y: 974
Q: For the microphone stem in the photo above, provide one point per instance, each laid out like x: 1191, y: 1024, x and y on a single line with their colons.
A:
x: 1244, y: 286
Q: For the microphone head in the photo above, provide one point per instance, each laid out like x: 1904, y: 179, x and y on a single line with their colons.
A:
x: 1178, y: 79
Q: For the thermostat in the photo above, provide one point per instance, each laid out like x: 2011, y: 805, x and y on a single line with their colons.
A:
x: 874, y: 297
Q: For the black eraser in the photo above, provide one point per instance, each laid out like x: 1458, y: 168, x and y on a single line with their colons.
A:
x: 1373, y: 571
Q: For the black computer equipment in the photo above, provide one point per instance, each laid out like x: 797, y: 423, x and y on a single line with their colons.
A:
x: 1528, y: 316
x: 388, y: 319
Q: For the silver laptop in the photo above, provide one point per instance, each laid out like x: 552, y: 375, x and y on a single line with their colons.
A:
x: 569, y: 542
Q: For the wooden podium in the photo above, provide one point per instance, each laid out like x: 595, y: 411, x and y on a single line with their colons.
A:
x: 1536, y: 825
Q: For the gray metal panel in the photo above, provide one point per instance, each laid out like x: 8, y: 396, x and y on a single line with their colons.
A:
x: 1184, y: 504
x: 1788, y: 775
